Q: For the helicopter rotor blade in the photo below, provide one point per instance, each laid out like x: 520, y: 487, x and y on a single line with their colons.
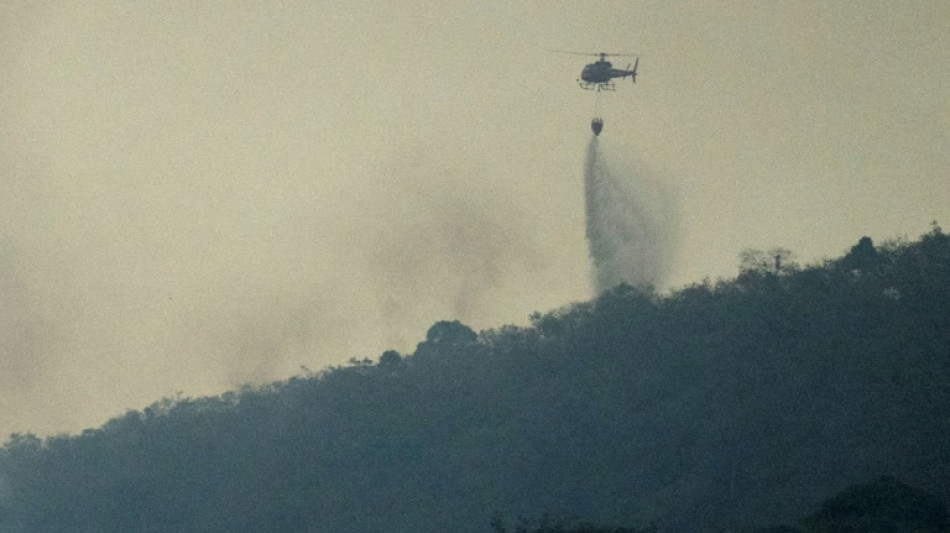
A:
x: 595, y: 54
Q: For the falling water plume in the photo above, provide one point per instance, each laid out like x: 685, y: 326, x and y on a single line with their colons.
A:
x: 632, y: 220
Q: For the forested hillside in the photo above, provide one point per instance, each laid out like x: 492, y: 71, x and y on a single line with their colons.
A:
x: 719, y: 406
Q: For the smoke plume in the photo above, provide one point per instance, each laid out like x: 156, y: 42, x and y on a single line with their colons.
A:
x: 632, y: 221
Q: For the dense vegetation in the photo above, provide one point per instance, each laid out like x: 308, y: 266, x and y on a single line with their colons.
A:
x: 719, y: 406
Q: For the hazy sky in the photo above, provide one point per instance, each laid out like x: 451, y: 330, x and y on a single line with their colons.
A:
x: 194, y: 195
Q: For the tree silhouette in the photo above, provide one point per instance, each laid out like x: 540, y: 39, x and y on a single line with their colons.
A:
x: 720, y: 406
x: 884, y: 505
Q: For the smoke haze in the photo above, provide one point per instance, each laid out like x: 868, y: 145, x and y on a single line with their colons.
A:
x: 449, y: 247
x: 632, y: 220
x: 195, y: 196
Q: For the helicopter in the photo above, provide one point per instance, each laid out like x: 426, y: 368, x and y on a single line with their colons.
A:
x: 600, y: 74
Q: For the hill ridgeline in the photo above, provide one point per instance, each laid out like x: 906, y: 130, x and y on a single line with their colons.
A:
x: 719, y: 406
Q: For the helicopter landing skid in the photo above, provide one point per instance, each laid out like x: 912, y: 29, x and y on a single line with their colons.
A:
x: 594, y: 86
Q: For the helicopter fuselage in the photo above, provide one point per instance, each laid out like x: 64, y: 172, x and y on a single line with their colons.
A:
x: 599, y: 75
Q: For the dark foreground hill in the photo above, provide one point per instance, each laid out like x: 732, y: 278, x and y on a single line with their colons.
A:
x: 720, y: 406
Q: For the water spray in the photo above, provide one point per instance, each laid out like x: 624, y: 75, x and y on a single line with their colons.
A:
x: 632, y: 220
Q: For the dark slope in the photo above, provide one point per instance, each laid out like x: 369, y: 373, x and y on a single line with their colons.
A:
x: 745, y: 402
